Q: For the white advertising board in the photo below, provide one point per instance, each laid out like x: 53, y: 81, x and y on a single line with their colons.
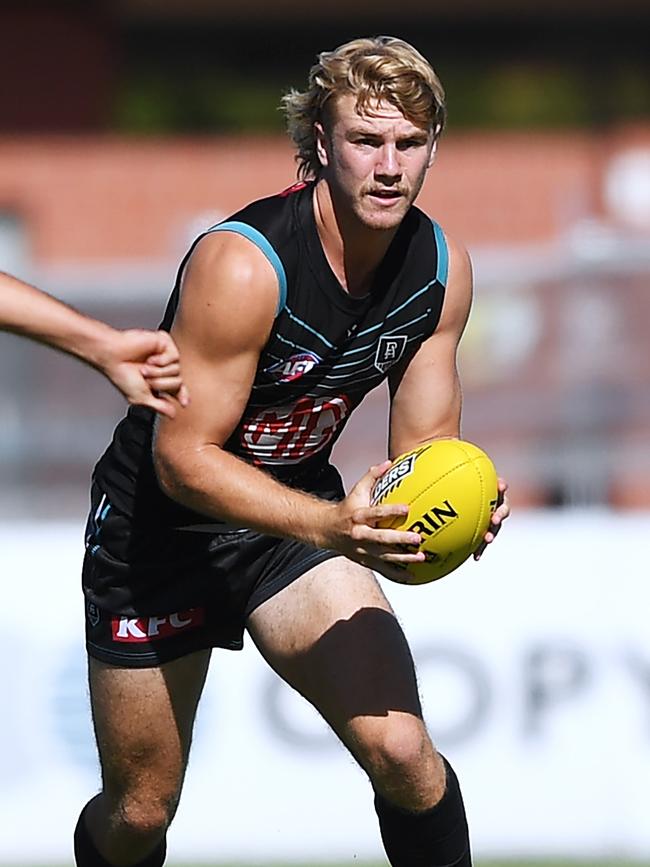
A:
x: 534, y: 668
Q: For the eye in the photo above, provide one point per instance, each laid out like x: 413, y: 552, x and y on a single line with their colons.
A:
x: 408, y: 143
x: 366, y: 141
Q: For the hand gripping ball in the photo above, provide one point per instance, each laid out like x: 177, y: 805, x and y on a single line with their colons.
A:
x: 450, y: 487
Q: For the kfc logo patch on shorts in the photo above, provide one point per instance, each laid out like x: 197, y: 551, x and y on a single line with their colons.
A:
x: 143, y: 629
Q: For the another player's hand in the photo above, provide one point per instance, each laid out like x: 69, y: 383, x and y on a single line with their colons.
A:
x: 499, y: 515
x: 145, y: 367
x: 357, y: 536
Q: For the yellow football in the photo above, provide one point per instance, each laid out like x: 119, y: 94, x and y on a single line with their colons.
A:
x: 450, y: 487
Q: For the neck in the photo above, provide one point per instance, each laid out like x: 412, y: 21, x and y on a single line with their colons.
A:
x: 353, y: 251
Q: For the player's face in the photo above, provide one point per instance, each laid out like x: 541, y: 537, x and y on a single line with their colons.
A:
x: 375, y: 163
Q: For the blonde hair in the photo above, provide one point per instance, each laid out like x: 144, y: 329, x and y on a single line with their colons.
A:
x: 372, y: 69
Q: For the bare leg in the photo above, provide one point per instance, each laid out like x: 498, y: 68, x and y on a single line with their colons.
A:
x: 333, y: 636
x: 143, y: 722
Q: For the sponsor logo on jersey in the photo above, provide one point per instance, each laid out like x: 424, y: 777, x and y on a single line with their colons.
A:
x: 389, y: 350
x: 289, y: 434
x: 294, y: 367
x: 133, y: 629
x: 392, y: 478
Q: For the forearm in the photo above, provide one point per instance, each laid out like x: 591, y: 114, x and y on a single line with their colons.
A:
x: 27, y: 311
x: 406, y: 435
x: 220, y: 485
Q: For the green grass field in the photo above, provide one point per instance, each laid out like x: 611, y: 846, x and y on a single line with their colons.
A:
x: 606, y: 862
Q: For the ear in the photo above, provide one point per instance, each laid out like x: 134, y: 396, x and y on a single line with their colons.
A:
x: 321, y: 144
x: 434, y: 146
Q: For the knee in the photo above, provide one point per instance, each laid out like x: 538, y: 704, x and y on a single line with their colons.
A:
x: 144, y: 815
x: 400, y: 756
x: 141, y: 806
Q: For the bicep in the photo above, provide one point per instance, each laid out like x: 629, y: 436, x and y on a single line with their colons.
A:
x: 427, y: 401
x: 225, y: 314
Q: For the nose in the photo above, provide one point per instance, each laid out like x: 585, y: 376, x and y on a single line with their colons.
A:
x: 388, y: 166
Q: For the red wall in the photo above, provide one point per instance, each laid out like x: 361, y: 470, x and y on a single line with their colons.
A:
x: 92, y: 198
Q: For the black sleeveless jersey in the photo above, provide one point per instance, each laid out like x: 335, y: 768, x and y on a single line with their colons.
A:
x: 326, y: 351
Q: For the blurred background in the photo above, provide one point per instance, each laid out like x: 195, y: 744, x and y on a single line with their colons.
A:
x: 127, y: 127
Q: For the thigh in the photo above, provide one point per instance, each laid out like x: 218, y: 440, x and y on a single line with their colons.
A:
x: 333, y: 636
x: 143, y: 721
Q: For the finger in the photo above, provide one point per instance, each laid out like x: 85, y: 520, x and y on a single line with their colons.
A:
x: 183, y: 396
x: 151, y: 370
x: 370, y: 515
x: 415, y: 557
x: 480, y: 550
x: 503, y: 511
x: 498, y: 517
x: 167, y: 384
x: 491, y: 532
x: 378, y: 470
x: 405, y: 554
x: 394, y: 540
x: 161, y: 359
x: 166, y: 350
x: 162, y: 405
x: 487, y: 540
x: 367, y: 481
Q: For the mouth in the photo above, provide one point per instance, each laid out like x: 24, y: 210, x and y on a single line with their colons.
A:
x: 388, y: 196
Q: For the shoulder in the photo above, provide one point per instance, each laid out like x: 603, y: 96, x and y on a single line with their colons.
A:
x: 452, y: 258
x: 460, y: 264
x: 269, y: 218
x: 229, y: 257
x: 456, y: 259
x: 459, y: 285
x: 270, y: 226
x: 228, y: 287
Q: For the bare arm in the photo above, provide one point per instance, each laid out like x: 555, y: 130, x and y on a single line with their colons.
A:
x: 228, y: 300
x: 143, y: 365
x: 426, y: 394
x: 426, y: 398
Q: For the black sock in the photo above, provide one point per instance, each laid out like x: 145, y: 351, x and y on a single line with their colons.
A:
x: 439, y: 837
x: 86, y: 855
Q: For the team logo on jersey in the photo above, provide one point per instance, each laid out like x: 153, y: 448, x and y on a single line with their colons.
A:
x: 389, y: 350
x: 286, y: 435
x: 294, y: 367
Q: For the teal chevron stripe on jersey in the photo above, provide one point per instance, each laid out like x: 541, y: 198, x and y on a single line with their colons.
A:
x: 443, y: 254
x: 265, y: 246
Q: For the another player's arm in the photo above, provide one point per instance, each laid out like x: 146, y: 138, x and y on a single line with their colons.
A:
x: 143, y: 365
x: 227, y: 307
x: 426, y: 397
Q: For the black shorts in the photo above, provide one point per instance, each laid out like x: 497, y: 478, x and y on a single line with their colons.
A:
x: 153, y: 595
